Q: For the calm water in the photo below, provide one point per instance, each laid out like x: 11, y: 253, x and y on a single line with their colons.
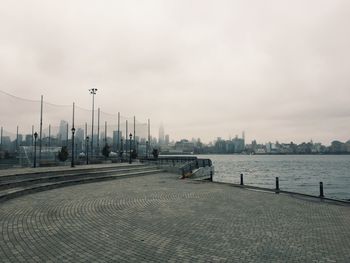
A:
x: 299, y: 173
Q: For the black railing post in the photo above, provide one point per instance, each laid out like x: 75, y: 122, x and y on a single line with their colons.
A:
x: 277, y: 185
x: 321, y: 190
x: 241, y: 179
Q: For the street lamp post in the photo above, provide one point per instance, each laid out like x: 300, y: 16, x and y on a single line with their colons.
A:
x: 73, y: 131
x: 130, y: 135
x: 35, y: 137
x: 87, y: 149
x: 146, y: 149
x: 93, y: 92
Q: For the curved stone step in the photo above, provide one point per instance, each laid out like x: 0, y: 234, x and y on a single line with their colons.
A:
x: 35, y: 172
x: 19, y: 191
x: 22, y: 181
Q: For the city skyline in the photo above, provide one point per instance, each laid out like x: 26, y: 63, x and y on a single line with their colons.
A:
x: 59, y: 132
x: 158, y: 133
x: 276, y: 69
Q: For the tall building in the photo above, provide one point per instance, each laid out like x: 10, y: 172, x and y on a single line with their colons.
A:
x: 62, y: 132
x: 167, y: 139
x: 79, y: 134
x: 28, y: 140
x: 161, y: 138
x: 20, y: 140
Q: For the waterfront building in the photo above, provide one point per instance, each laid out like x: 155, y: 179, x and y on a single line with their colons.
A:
x: 167, y: 139
x: 62, y: 131
x: 79, y: 134
x: 28, y: 140
x: 184, y: 146
x: 161, y: 138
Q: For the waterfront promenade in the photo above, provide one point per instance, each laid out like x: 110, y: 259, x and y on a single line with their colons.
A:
x: 160, y: 218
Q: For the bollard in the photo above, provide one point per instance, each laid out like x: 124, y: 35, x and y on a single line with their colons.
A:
x: 241, y: 179
x: 211, y: 176
x: 321, y: 190
x: 277, y: 185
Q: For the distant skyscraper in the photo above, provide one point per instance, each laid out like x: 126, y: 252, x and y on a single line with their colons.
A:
x: 62, y: 133
x: 161, y: 138
x: 79, y: 134
x: 20, y: 139
x: 167, y: 139
x: 28, y: 140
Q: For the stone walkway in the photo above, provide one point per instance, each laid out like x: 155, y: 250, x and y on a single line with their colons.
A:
x: 159, y: 218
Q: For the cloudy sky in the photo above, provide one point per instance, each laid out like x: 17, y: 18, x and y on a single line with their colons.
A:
x: 278, y: 69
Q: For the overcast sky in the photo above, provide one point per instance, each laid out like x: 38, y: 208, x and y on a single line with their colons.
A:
x: 278, y: 69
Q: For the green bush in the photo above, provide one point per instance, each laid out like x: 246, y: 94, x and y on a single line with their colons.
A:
x: 155, y: 153
x: 106, y: 150
x: 133, y: 154
x: 63, y: 154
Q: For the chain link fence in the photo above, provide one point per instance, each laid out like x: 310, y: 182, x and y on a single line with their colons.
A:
x: 22, y: 119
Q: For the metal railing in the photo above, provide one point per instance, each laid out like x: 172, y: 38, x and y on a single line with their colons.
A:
x: 278, y: 190
x: 186, y: 163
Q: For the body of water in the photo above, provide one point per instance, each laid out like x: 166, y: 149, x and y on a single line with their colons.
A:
x: 298, y: 173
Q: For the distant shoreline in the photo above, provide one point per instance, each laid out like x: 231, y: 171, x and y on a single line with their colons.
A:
x: 190, y: 154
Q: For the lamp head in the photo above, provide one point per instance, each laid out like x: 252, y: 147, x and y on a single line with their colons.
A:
x: 93, y: 91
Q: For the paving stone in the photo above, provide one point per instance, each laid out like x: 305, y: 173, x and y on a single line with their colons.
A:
x: 159, y: 218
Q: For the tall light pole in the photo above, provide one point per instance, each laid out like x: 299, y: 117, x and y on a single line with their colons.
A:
x: 126, y: 136
x: 118, y: 149
x: 41, y: 125
x: 73, y: 131
x: 98, y: 131
x: 149, y: 135
x: 134, y: 133
x: 87, y: 149
x: 93, y: 92
x: 130, y: 135
x: 35, y: 137
x: 49, y: 135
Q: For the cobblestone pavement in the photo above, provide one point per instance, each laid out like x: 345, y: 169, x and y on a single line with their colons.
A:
x: 159, y: 218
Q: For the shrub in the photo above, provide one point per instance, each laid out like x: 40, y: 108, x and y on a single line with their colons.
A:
x: 106, y: 151
x: 155, y: 153
x: 133, y: 154
x: 63, y: 154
